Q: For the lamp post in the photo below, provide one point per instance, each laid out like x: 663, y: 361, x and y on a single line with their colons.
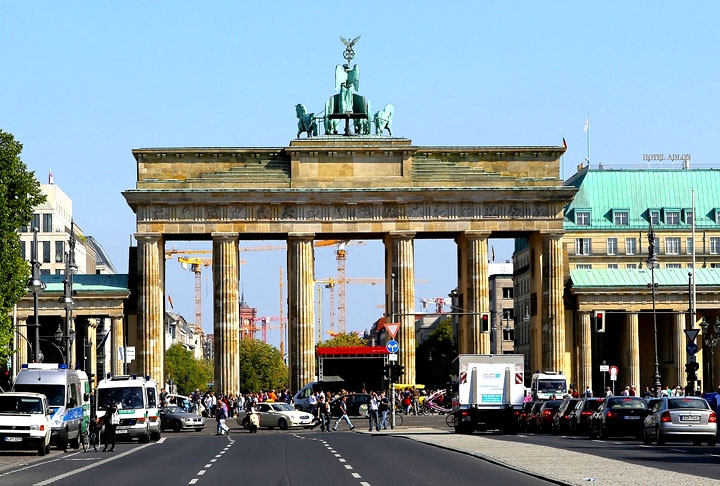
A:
x: 652, y: 262
x: 710, y: 337
x: 67, y: 336
x: 36, y: 286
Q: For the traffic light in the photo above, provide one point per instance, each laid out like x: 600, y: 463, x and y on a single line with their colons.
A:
x: 484, y: 322
x: 399, y: 370
x: 387, y: 373
x: 599, y: 317
x: 690, y: 369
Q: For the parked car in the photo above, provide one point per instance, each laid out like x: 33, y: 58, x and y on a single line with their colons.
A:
x: 681, y: 419
x: 619, y: 417
x: 357, y: 404
x: 560, y: 420
x: 524, y: 417
x: 532, y: 416
x: 176, y: 418
x: 278, y: 414
x: 544, y: 417
x: 25, y: 422
x: 580, y: 416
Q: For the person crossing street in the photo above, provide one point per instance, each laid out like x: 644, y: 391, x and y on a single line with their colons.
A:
x: 343, y: 414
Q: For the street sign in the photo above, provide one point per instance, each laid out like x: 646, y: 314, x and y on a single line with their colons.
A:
x: 691, y: 349
x: 692, y: 334
x: 392, y: 329
x: 613, y: 378
x: 393, y: 357
x: 604, y: 368
x: 392, y: 346
x: 692, y: 359
x: 613, y: 371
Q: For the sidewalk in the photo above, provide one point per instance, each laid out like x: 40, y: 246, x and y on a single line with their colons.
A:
x: 573, y: 468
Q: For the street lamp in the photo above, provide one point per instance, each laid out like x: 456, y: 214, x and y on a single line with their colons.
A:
x: 66, y: 300
x: 652, y: 263
x: 36, y: 286
x: 711, y: 337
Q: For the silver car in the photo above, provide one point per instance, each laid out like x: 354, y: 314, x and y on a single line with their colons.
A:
x: 681, y: 419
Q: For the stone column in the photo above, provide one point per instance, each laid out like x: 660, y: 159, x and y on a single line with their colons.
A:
x: 150, y: 349
x: 631, y: 358
x: 474, y: 285
x: 92, y: 326
x: 680, y: 351
x: 21, y: 344
x: 554, y: 309
x: 400, y: 262
x: 301, y: 309
x: 226, y: 312
x: 583, y: 352
x: 117, y: 340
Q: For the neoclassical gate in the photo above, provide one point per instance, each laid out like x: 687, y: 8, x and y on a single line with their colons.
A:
x: 349, y: 187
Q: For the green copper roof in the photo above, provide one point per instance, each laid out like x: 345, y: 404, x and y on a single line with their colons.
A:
x: 637, y: 190
x: 92, y: 283
x: 664, y: 277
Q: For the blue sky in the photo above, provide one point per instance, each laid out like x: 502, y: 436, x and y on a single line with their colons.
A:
x: 85, y: 82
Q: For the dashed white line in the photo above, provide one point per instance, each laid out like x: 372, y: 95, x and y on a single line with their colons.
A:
x: 201, y: 472
x: 342, y: 460
x: 193, y: 481
x: 348, y: 466
x: 356, y: 475
x: 208, y: 465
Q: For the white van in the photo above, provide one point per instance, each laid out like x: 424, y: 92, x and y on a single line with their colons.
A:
x: 25, y: 422
x: 545, y: 386
x: 137, y: 401
x: 68, y: 395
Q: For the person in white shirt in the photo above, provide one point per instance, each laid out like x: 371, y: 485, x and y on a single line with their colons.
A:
x: 373, y: 411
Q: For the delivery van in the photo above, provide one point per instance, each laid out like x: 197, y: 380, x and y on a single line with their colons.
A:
x: 25, y: 422
x: 137, y: 400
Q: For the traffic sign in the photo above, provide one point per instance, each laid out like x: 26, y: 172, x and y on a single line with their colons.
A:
x: 691, y: 349
x: 613, y: 371
x: 604, y: 368
x: 392, y: 329
x: 392, y: 346
x: 692, y: 334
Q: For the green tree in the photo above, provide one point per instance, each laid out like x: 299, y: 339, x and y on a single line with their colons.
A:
x: 187, y: 372
x: 261, y: 367
x: 434, y: 357
x: 343, y: 340
x: 19, y: 194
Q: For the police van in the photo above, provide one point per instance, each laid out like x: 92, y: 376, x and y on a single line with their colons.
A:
x: 137, y: 400
x: 68, y: 396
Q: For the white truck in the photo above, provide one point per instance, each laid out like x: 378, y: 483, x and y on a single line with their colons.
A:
x: 490, y: 392
x: 549, y: 385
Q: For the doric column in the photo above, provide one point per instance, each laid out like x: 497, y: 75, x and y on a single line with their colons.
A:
x: 632, y: 352
x: 474, y: 286
x: 583, y: 351
x: 117, y: 340
x: 301, y: 309
x: 226, y: 312
x: 554, y: 309
x: 92, y: 326
x: 400, y: 272
x: 21, y: 344
x: 680, y: 351
x: 150, y: 349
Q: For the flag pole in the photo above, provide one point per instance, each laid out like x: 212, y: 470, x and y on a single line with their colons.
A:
x: 587, y: 133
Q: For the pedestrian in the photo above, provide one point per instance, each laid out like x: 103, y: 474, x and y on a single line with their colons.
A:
x: 324, y: 414
x: 625, y: 392
x: 374, y: 412
x: 111, y: 420
x: 384, y: 409
x: 588, y: 392
x: 647, y: 393
x: 633, y: 391
x: 608, y: 392
x: 220, y: 416
x: 253, y: 421
x: 342, y: 405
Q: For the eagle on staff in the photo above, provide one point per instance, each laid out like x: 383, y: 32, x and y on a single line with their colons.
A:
x: 349, y: 52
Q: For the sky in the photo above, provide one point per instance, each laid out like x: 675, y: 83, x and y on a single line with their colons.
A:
x: 83, y: 83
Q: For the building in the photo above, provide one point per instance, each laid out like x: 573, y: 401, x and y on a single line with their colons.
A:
x: 502, y: 310
x: 606, y: 249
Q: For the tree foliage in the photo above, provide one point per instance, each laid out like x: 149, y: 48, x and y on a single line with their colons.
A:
x: 435, y: 355
x: 185, y: 371
x: 343, y: 340
x: 261, y: 367
x: 19, y: 194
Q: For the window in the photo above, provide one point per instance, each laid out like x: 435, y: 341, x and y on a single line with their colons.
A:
x: 672, y: 245
x: 673, y: 265
x: 507, y: 293
x: 582, y: 218
x: 35, y: 222
x: 630, y: 246
x: 672, y: 217
x: 508, y: 334
x: 47, y: 223
x: 612, y: 246
x: 717, y: 215
x: 22, y: 250
x: 59, y: 251
x: 631, y: 266
x: 715, y: 245
x: 715, y: 265
x: 583, y: 266
x: 612, y: 266
x: 654, y: 217
x: 582, y: 246
x: 689, y: 246
x: 688, y: 216
x: 621, y: 218
x: 45, y: 251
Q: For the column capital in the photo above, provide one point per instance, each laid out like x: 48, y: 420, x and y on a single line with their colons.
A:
x: 476, y: 235
x: 224, y: 236
x: 148, y: 236
x: 301, y: 236
x: 401, y: 235
x: 552, y: 234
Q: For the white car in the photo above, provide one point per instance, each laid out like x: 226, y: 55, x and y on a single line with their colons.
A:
x: 278, y: 414
x: 25, y: 422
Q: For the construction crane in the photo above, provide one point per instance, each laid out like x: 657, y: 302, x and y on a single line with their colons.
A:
x: 329, y: 283
x: 195, y: 265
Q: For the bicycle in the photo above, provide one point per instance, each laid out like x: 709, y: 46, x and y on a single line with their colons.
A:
x: 91, y: 437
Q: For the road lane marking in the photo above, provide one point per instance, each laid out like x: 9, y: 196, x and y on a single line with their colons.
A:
x: 193, y: 481
x: 208, y: 465
x: 356, y: 475
x: 201, y: 472
x: 348, y: 466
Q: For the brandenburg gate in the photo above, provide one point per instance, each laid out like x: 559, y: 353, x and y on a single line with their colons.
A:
x: 345, y: 186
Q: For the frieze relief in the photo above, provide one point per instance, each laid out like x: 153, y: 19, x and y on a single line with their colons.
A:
x: 343, y: 212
